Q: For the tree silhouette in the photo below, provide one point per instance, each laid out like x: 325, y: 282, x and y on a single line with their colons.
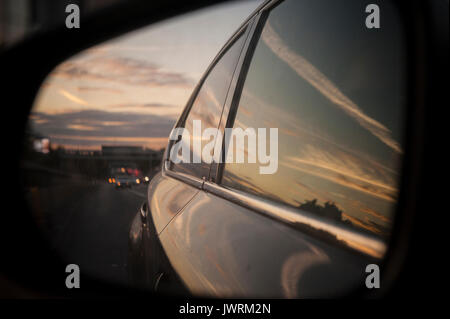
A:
x: 329, y: 209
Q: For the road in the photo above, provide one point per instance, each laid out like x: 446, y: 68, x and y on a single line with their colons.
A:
x: 87, y: 224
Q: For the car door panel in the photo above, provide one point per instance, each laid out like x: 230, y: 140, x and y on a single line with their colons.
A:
x: 167, y: 196
x: 232, y: 251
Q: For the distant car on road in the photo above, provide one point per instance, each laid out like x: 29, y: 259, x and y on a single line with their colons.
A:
x: 124, y: 181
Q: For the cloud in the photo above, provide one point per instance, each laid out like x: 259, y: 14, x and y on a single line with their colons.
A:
x: 81, y: 127
x: 376, y: 215
x: 93, y: 127
x: 318, y: 80
x: 156, y: 109
x: 342, y: 177
x: 95, y: 142
x: 73, y: 98
x: 144, y: 105
x: 373, y: 228
x: 346, y: 165
x: 120, y: 70
x: 96, y: 89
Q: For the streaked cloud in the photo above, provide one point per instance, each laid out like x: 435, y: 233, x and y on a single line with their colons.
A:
x: 152, y: 142
x: 93, y: 128
x: 81, y: 127
x: 318, y: 80
x: 119, y: 69
x: 344, y: 164
x: 373, y: 228
x: 342, y: 180
x: 144, y: 105
x: 99, y: 89
x: 376, y: 214
x: 73, y: 98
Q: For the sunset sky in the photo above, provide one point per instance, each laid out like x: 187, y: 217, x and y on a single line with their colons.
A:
x: 132, y: 89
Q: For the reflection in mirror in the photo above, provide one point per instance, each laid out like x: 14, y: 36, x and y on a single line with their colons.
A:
x: 339, y: 114
x: 208, y: 104
x: 99, y: 127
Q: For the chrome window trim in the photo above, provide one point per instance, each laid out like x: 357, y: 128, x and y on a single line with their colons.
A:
x: 304, y: 221
x: 185, y: 178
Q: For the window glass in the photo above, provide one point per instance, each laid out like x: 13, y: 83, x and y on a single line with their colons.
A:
x: 207, y: 108
x: 335, y: 90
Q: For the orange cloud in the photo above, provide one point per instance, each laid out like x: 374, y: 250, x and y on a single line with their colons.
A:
x: 73, y: 98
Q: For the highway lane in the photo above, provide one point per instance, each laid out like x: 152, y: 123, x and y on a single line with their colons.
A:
x: 87, y: 224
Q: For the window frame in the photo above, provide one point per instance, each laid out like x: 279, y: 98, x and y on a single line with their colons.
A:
x: 260, y: 21
x: 243, y: 31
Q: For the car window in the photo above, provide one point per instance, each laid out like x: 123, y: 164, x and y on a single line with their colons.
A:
x: 207, y: 107
x: 335, y: 91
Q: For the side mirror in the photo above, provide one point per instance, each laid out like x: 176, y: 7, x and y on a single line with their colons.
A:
x: 143, y: 213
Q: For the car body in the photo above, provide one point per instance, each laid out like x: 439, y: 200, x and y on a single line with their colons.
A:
x: 214, y: 235
x: 124, y: 180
